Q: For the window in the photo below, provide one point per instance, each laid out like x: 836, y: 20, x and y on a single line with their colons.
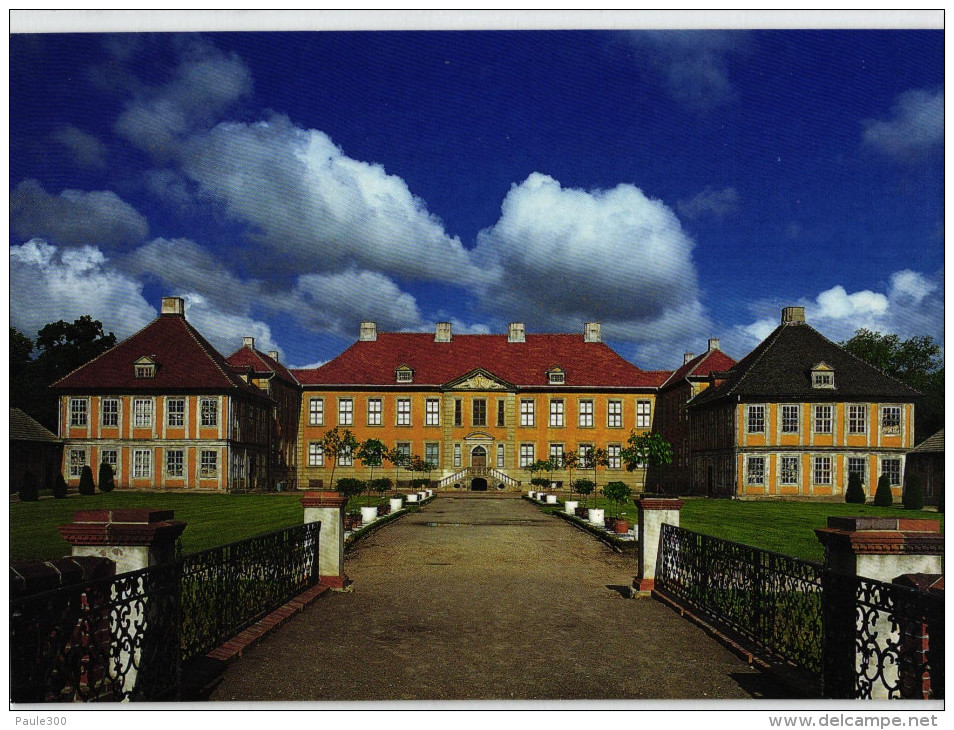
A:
x: 432, y: 453
x: 79, y: 410
x: 316, y: 412
x: 858, y: 465
x: 77, y: 462
x: 857, y: 419
x: 755, y: 419
x: 584, y: 452
x: 175, y: 412
x: 145, y: 368
x: 111, y: 457
x: 614, y: 414
x: 822, y: 419
x: 586, y: 413
x: 142, y: 463
x: 404, y: 449
x: 142, y: 412
x: 526, y: 455
x: 821, y: 473
x: 174, y: 463
x: 209, y: 464
x: 457, y: 453
x: 892, y: 467
x: 458, y: 413
x: 500, y: 455
x: 790, y: 419
x: 788, y: 470
x: 374, y: 411
x: 209, y: 408
x: 643, y: 414
x: 823, y: 379
x: 345, y: 457
x: 613, y: 454
x: 405, y: 375
x: 432, y: 412
x: 891, y: 420
x: 480, y: 412
x: 527, y: 414
x: 110, y: 415
x: 556, y: 377
x: 501, y: 413
x: 556, y: 413
x: 404, y: 412
x: 345, y: 411
x: 316, y: 454
x: 755, y: 470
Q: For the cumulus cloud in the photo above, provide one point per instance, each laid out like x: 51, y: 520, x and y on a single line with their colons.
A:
x: 693, y: 63
x: 86, y: 150
x: 75, y: 217
x: 49, y: 283
x: 303, y: 197
x: 225, y: 329
x: 914, y: 128
x: 711, y: 203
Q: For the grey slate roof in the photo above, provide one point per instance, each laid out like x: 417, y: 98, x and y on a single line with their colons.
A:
x: 931, y: 445
x: 24, y: 428
x: 780, y: 369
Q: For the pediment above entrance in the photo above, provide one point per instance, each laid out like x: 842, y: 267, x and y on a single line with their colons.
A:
x: 479, y: 379
x: 478, y: 436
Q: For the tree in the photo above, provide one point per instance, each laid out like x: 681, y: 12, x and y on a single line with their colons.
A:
x: 855, y: 492
x: 917, y: 362
x: 646, y: 450
x: 617, y: 493
x: 86, y: 484
x: 570, y: 460
x: 598, y: 456
x: 106, y: 482
x: 334, y: 444
x: 397, y: 457
x: 913, y: 495
x: 28, y: 391
x: 583, y: 487
x: 371, y: 453
x: 535, y: 468
x: 883, y: 496
x: 350, y: 487
x: 59, y: 486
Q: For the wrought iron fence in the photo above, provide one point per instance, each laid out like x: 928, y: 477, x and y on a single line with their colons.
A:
x: 110, y: 639
x: 227, y: 588
x: 771, y: 599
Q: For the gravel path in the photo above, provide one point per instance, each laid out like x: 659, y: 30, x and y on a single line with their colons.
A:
x: 474, y: 599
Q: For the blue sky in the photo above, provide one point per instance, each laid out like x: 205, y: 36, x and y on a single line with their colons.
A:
x: 674, y: 186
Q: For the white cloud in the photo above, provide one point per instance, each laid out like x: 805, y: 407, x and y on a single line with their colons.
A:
x: 75, y: 217
x: 86, y: 149
x: 225, y: 330
x: 914, y: 128
x: 48, y: 284
x: 715, y: 203
x: 838, y: 304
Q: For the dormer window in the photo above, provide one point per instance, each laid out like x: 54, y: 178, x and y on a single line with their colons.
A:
x: 823, y: 376
x: 404, y: 374
x: 555, y: 376
x: 145, y: 367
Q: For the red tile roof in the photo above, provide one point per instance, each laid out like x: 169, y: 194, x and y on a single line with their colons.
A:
x: 259, y: 362
x: 184, y: 358
x: 524, y: 364
x: 701, y: 365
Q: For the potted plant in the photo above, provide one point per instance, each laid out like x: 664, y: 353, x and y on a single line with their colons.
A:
x: 350, y: 487
x: 583, y: 487
x: 645, y: 451
x: 618, y: 493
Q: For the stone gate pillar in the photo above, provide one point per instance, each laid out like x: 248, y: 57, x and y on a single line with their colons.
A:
x: 328, y: 508
x: 654, y: 512
x: 132, y: 538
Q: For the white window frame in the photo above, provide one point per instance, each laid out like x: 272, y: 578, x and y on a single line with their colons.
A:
x: 894, y: 475
x: 557, y: 413
x: 527, y: 412
x: 403, y: 416
x: 864, y: 467
x: 346, y: 411
x: 142, y: 412
x: 755, y: 418
x: 613, y: 453
x: 345, y: 457
x: 435, y: 448
x: 375, y: 410
x: 79, y: 412
x: 77, y: 460
x: 586, y: 413
x: 501, y: 456
x: 791, y: 418
x: 822, y: 470
x: 110, y: 409
x: 142, y: 464
x: 316, y: 411
x: 113, y: 462
x: 180, y: 470
x: 892, y: 430
x: 526, y: 455
x: 404, y: 376
x: 209, y: 412
x: 644, y: 414
x: 175, y: 407
x: 820, y: 419
x: 857, y: 419
x: 614, y: 414
x: 823, y: 379
x: 556, y: 377
x: 555, y: 452
x: 584, y: 451
x: 457, y: 455
x: 316, y: 454
x: 755, y: 477
x: 788, y: 476
x: 208, y: 464
x: 432, y: 412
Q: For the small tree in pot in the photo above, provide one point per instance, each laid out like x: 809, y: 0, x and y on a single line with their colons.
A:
x: 583, y: 487
x: 371, y: 453
x: 618, y: 493
x: 350, y: 487
x: 335, y: 444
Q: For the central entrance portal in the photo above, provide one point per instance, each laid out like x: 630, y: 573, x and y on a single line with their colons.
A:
x: 478, y: 457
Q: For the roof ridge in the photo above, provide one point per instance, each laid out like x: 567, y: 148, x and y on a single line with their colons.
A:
x: 90, y: 362
x: 216, y: 357
x: 765, y: 346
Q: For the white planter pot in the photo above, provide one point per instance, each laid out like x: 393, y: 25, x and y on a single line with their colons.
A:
x: 551, y: 499
x: 430, y: 492
x: 369, y: 514
x: 571, y: 505
x: 532, y: 495
x: 396, y: 503
x: 412, y: 498
x: 422, y: 495
x: 597, y: 516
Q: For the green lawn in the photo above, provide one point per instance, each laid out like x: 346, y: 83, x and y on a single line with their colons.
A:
x: 782, y: 527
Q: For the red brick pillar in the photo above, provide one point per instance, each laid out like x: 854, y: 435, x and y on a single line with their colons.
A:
x: 328, y: 508
x: 917, y: 639
x: 653, y: 513
x: 132, y: 538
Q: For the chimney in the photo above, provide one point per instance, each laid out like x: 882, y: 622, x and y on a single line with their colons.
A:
x: 592, y: 332
x: 369, y: 332
x: 443, y: 332
x: 173, y: 305
x: 713, y: 344
x: 273, y: 354
x: 248, y: 342
x: 793, y: 315
x: 516, y: 332
x: 687, y: 357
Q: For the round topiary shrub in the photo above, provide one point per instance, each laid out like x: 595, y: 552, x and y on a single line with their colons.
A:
x: 59, y: 486
x: 86, y: 485
x: 913, y: 495
x: 883, y: 496
x: 29, y: 491
x: 106, y: 482
x: 855, y: 493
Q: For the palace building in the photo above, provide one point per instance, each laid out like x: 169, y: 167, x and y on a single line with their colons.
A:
x: 792, y: 418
